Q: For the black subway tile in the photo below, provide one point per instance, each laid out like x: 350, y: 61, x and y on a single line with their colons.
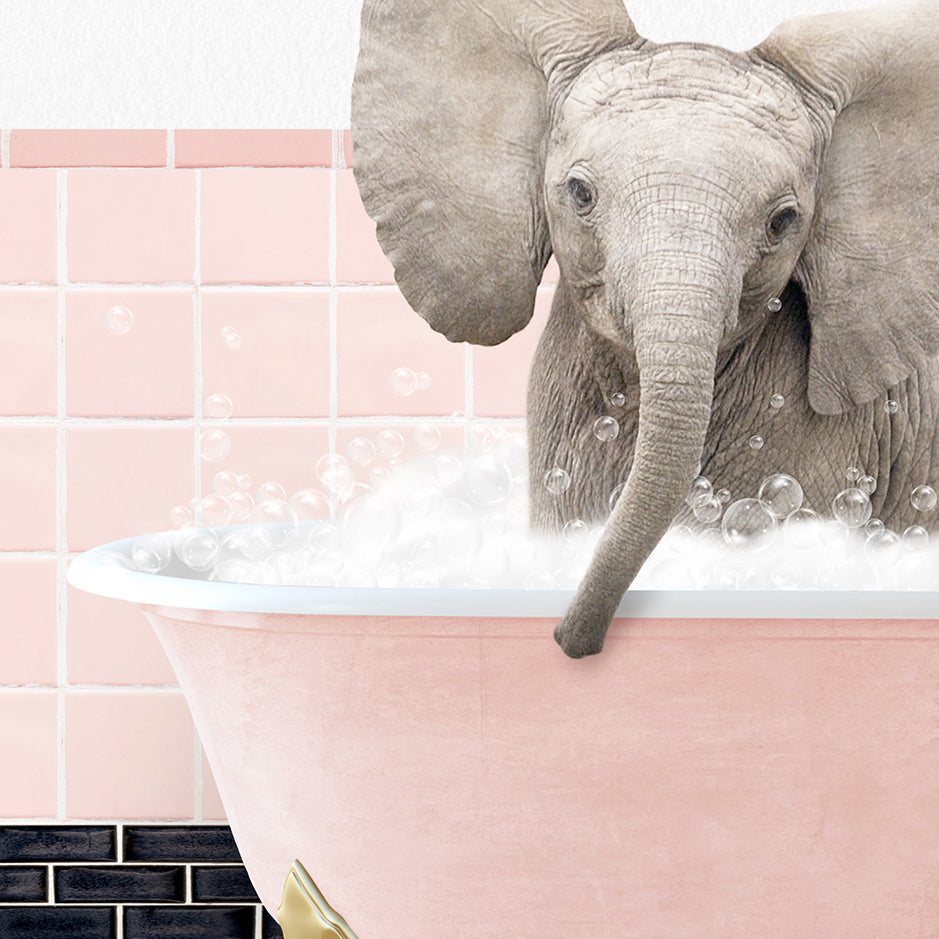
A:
x: 270, y: 928
x: 25, y: 922
x: 57, y: 843
x: 199, y: 843
x: 188, y: 922
x: 222, y: 883
x: 117, y: 884
x: 23, y: 884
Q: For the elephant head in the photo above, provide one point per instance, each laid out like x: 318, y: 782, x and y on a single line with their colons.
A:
x: 681, y: 188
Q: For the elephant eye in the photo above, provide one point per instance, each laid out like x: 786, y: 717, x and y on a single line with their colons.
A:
x: 781, y: 222
x: 581, y: 194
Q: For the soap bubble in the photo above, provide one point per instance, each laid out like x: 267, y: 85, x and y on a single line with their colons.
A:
x: 802, y: 529
x: 756, y: 442
x: 242, y: 505
x: 403, y: 382
x: 852, y: 474
x: 390, y: 443
x: 272, y: 511
x: 389, y: 574
x: 781, y: 493
x: 874, y: 527
x: 225, y: 483
x: 447, y: 469
x: 891, y: 407
x: 774, y: 304
x: 916, y: 538
x: 867, y: 485
x: 151, y: 553
x: 698, y: 491
x: 494, y: 524
x: 244, y: 480
x: 777, y: 401
x: 748, y: 525
x: 119, y: 320
x: 557, y: 480
x: 615, y: 494
x: 723, y: 496
x: 606, y: 428
x: 310, y: 505
x: 423, y: 380
x: 198, y: 548
x: 180, y: 516
x: 885, y: 547
x: 360, y: 451
x: 335, y: 474
x: 852, y: 508
x: 575, y: 531
x: 214, y: 445
x: 254, y: 543
x: 488, y: 480
x: 923, y: 498
x: 214, y: 510
x: 618, y: 399
x: 708, y: 510
x: 271, y: 492
x: 230, y: 337
x: 483, y: 439
x: 426, y: 437
x: 378, y: 476
x: 219, y: 406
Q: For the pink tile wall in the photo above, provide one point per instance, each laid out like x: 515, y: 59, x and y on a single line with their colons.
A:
x: 191, y: 231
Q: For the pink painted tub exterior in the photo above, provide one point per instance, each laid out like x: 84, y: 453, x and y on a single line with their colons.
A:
x: 448, y: 777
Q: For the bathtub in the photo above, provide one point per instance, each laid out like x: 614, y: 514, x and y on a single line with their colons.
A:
x: 733, y: 765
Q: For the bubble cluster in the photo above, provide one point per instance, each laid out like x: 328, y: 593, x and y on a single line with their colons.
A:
x: 230, y: 337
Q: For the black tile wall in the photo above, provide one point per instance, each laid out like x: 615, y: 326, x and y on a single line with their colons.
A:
x: 141, y: 881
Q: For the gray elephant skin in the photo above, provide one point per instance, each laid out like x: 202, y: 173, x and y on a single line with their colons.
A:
x: 682, y: 189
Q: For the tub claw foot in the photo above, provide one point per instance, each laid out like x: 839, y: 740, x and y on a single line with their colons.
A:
x: 304, y: 913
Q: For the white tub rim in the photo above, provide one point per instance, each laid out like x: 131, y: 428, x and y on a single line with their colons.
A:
x: 91, y: 573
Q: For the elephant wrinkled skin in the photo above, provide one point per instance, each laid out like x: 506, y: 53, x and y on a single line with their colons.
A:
x: 682, y: 189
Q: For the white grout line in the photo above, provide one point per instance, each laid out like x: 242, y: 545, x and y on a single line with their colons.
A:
x: 4, y: 149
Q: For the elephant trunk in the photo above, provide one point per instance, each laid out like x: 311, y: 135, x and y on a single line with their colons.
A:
x: 676, y: 331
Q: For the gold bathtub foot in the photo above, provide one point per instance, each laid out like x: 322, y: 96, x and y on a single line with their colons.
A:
x: 304, y: 913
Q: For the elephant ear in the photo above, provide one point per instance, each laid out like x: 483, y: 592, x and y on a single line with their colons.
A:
x: 870, y: 268
x: 450, y: 107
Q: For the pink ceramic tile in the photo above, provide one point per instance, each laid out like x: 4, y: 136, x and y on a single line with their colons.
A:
x: 265, y: 226
x: 28, y: 624
x: 131, y: 225
x: 27, y: 479
x: 286, y: 455
x: 281, y: 368
x: 359, y: 258
x: 28, y: 226
x: 128, y: 755
x: 110, y: 642
x: 88, y: 148
x: 28, y: 742
x: 124, y: 479
x: 379, y: 333
x: 500, y: 373
x: 347, y: 147
x: 551, y: 272
x: 115, y: 373
x: 253, y: 147
x: 28, y: 352
x: 212, y: 808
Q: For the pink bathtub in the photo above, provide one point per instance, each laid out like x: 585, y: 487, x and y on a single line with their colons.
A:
x: 732, y: 765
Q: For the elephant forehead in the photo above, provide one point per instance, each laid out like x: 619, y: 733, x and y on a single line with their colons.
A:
x: 704, y: 87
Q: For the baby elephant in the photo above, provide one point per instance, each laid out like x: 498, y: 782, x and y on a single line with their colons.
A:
x: 748, y: 246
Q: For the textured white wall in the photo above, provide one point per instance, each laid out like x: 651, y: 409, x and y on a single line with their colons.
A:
x: 250, y: 63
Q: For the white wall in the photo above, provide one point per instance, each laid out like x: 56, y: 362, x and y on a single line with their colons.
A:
x: 250, y: 63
